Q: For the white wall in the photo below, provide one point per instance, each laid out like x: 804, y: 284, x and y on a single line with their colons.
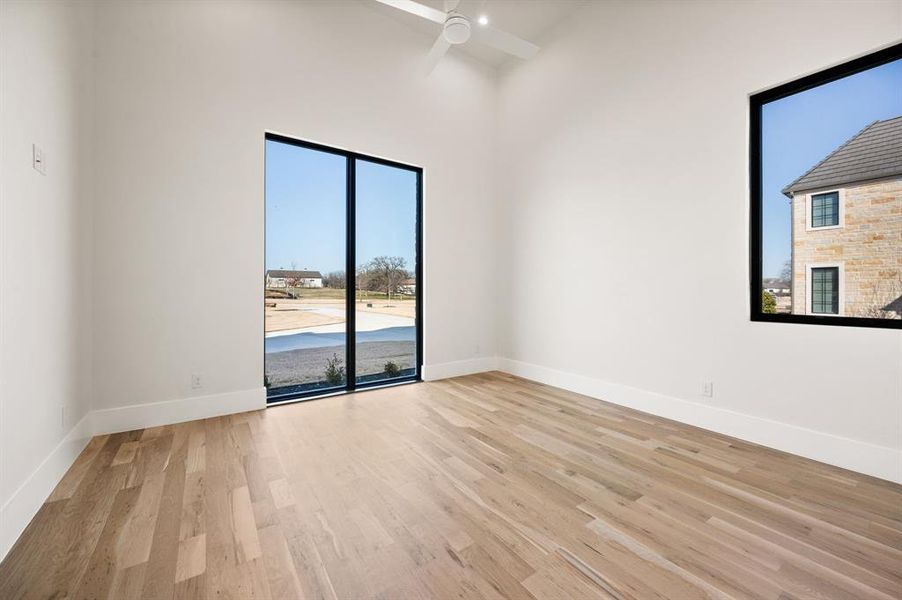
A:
x: 624, y: 146
x: 185, y: 91
x: 45, y: 265
x: 620, y: 158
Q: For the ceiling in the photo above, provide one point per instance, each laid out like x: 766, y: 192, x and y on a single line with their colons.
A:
x: 528, y: 19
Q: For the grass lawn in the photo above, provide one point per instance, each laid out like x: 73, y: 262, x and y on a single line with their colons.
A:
x: 339, y: 294
x: 315, y: 293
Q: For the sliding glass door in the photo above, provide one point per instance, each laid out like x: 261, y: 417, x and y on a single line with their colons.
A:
x: 329, y: 213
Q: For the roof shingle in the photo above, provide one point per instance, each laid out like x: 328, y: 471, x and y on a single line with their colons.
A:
x: 873, y: 153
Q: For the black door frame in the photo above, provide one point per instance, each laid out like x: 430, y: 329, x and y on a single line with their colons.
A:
x: 351, y: 384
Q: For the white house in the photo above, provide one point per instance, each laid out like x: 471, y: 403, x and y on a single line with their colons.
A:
x: 776, y: 286
x: 279, y: 278
x: 408, y: 286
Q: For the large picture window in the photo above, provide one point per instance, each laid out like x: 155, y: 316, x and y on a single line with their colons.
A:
x: 342, y: 300
x: 826, y: 196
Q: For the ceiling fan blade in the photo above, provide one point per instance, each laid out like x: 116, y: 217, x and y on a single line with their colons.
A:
x: 501, y: 40
x: 415, y: 8
x: 438, y: 50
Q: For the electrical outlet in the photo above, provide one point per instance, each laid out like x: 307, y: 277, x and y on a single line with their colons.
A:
x: 196, y: 381
x: 708, y: 389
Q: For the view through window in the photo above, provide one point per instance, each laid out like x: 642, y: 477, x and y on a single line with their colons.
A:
x: 386, y: 284
x: 322, y: 207
x: 829, y: 158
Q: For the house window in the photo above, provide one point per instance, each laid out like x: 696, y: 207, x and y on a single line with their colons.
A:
x: 825, y: 183
x: 825, y: 290
x: 825, y: 210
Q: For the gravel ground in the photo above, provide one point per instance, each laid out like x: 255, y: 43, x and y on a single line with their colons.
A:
x: 308, y: 365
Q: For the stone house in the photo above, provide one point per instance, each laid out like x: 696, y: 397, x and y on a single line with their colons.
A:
x: 847, y: 228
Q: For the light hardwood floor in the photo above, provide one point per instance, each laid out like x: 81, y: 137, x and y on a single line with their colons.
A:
x: 485, y: 486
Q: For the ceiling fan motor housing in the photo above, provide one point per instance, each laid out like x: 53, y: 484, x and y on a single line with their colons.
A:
x: 457, y: 29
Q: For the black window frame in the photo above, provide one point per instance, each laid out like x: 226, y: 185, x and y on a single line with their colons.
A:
x: 835, y: 291
x: 756, y: 103
x: 834, y: 196
x: 351, y: 383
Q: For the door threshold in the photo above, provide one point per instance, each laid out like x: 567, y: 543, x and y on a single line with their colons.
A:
x: 292, y: 399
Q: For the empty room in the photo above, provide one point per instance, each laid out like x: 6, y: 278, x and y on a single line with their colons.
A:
x: 436, y: 299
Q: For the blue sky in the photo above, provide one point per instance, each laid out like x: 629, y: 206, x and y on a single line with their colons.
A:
x: 799, y: 131
x: 305, y: 210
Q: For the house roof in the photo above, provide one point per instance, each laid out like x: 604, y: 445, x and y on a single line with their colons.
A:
x: 775, y: 282
x: 409, y: 282
x: 894, y: 306
x: 283, y: 274
x: 875, y: 152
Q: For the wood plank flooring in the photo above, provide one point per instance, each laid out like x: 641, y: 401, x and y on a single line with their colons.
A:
x: 485, y: 486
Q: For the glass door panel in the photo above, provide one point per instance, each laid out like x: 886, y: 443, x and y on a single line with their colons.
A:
x: 386, y: 281
x: 305, y: 334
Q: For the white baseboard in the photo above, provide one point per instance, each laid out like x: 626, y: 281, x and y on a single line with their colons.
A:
x: 459, y: 367
x: 878, y: 461
x: 154, y: 414
x: 25, y: 502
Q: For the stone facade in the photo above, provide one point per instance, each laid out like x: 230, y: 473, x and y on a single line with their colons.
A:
x: 867, y: 247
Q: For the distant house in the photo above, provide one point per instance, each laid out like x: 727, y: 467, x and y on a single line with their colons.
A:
x: 777, y: 287
x: 847, y: 227
x: 279, y: 278
x: 408, y: 286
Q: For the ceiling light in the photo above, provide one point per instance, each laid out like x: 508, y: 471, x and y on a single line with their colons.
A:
x: 457, y: 29
x: 483, y: 20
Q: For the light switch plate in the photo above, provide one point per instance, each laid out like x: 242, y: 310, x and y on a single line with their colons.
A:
x: 38, y: 159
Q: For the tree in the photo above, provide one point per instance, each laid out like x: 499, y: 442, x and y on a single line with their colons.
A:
x: 786, y: 272
x: 362, y: 279
x: 292, y: 282
x: 385, y: 273
x: 335, y: 279
x: 768, y: 303
x: 885, y: 301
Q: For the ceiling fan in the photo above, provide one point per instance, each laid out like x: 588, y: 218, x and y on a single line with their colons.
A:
x: 457, y: 28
